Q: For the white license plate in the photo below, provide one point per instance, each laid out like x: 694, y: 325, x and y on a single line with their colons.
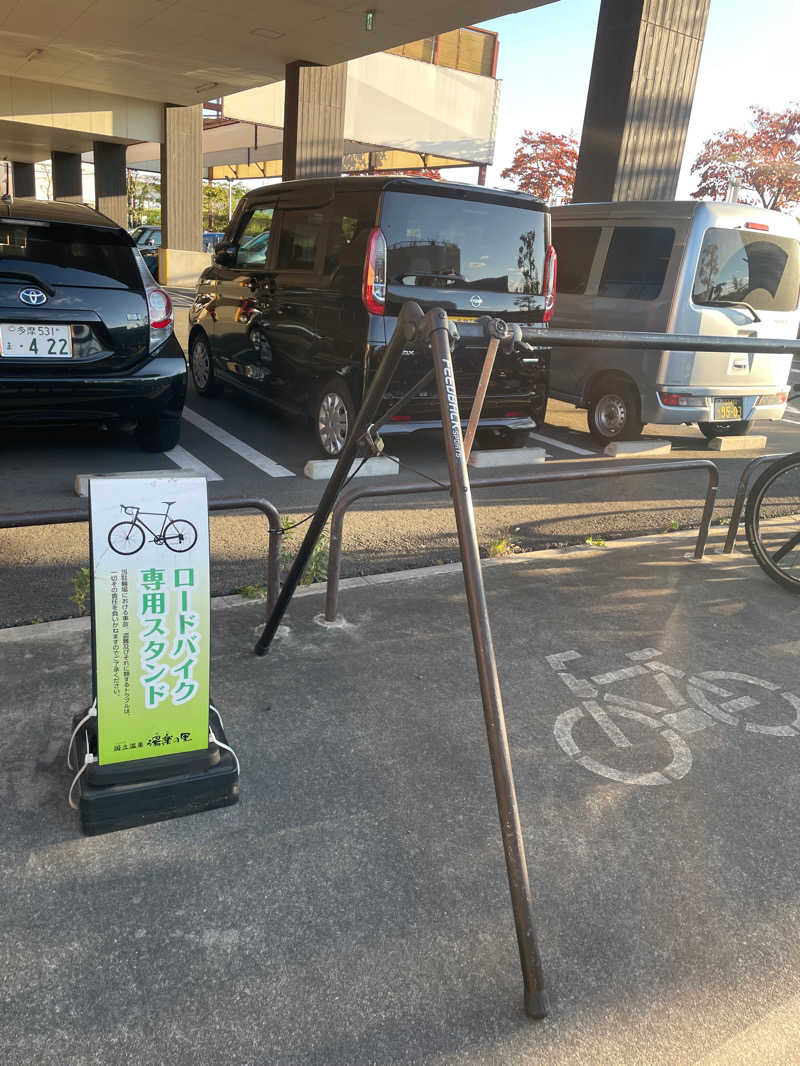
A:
x: 35, y: 342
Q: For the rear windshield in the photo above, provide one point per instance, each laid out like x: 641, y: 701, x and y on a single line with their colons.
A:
x: 745, y: 266
x: 66, y: 254
x: 445, y: 243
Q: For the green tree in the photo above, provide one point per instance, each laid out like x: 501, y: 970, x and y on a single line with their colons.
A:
x: 215, y: 203
x: 144, y: 200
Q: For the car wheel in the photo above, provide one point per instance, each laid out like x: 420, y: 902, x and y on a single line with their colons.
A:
x: 517, y: 438
x: 614, y: 411
x: 724, y: 429
x: 334, y: 414
x: 202, y: 367
x: 158, y: 434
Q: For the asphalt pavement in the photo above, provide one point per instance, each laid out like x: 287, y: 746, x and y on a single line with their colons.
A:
x: 353, y: 909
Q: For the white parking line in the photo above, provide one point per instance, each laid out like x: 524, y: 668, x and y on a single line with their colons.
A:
x: 186, y: 461
x: 561, y: 444
x: 244, y: 451
x: 791, y: 421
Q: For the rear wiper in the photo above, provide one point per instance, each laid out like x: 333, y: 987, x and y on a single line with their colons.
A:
x: 734, y: 303
x: 28, y: 277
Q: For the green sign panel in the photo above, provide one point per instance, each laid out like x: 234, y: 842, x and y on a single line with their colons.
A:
x: 151, y: 615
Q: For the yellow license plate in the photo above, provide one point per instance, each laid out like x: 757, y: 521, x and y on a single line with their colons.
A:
x: 727, y: 410
x: 462, y: 318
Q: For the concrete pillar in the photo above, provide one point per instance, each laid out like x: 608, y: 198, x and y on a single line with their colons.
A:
x: 24, y: 179
x: 182, y: 178
x: 67, y: 176
x: 313, y: 120
x: 111, y: 181
x: 640, y: 99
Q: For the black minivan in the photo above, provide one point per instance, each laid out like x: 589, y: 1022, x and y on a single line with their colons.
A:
x: 306, y: 286
x: 85, y: 333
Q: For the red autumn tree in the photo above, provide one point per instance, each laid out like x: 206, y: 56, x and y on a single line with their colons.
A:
x: 544, y: 165
x: 764, y: 161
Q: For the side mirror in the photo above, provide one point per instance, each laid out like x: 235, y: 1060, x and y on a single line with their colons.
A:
x: 225, y: 255
x: 149, y: 243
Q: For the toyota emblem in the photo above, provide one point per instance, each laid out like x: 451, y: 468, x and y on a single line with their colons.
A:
x: 34, y: 297
x: 475, y: 300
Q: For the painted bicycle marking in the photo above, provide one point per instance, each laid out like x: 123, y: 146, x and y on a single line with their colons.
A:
x: 684, y: 704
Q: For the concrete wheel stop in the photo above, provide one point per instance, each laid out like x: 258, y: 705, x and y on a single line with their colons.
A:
x: 634, y: 448
x: 737, y: 444
x: 506, y: 457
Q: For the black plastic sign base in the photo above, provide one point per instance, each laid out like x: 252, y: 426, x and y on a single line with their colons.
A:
x: 192, y: 785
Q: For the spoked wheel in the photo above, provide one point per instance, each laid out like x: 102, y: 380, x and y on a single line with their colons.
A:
x: 125, y: 538
x: 180, y: 535
x: 772, y: 522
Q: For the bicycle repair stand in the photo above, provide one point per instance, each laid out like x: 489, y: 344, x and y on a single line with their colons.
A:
x: 432, y: 331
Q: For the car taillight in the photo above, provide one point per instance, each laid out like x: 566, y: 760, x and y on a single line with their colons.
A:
x: 549, y: 283
x: 159, y: 311
x: 761, y: 226
x: 373, y: 286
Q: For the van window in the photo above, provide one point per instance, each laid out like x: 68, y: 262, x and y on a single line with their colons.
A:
x: 442, y: 242
x: 744, y: 266
x: 575, y: 247
x: 351, y: 219
x: 253, y: 238
x: 299, y: 237
x: 637, y: 261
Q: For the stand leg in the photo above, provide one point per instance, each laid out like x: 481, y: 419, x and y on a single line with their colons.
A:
x: 410, y: 315
x: 536, y: 1004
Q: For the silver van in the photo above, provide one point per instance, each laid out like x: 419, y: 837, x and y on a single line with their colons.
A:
x: 675, y: 267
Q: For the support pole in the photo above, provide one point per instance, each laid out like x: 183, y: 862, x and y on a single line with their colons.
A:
x: 410, y: 315
x: 536, y: 1004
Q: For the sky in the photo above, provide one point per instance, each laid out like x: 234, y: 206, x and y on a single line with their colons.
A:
x: 545, y: 59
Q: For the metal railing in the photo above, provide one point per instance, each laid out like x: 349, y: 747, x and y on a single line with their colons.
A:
x: 235, y: 503
x: 349, y: 498
x: 741, y: 494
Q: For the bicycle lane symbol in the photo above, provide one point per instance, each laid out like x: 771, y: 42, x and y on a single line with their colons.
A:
x: 705, y: 702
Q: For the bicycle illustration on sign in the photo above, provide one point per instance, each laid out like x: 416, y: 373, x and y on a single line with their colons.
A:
x: 693, y: 703
x: 127, y: 538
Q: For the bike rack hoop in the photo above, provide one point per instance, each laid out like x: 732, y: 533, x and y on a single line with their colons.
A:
x: 233, y: 503
x: 369, y: 492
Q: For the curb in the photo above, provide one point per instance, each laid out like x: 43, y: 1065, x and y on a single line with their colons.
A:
x: 67, y: 627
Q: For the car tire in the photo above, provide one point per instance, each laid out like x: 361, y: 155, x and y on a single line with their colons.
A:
x: 201, y: 366
x: 724, y: 429
x: 334, y: 414
x: 158, y: 434
x: 614, y: 411
x: 517, y: 438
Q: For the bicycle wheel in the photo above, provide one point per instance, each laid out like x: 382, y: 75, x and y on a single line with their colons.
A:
x: 772, y: 522
x: 126, y: 538
x: 180, y: 535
